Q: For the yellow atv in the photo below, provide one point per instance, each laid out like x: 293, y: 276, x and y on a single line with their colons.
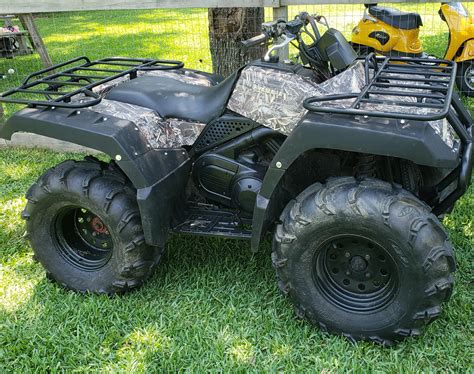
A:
x: 390, y: 31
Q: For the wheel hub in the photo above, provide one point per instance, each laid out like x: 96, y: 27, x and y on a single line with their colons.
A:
x: 92, y: 230
x: 358, y: 264
x: 99, y: 226
x: 84, y: 240
x: 356, y: 273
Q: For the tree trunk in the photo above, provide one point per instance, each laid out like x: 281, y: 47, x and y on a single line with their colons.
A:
x: 227, y: 28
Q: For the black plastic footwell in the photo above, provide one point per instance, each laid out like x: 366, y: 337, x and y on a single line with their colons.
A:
x: 217, y: 223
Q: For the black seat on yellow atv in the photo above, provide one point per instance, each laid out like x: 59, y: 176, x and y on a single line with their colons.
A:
x: 171, y: 98
x: 396, y: 18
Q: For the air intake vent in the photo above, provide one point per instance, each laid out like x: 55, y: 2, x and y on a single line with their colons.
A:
x: 221, y: 130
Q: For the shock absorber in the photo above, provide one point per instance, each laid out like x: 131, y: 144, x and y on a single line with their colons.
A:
x: 366, y: 166
x: 410, y: 176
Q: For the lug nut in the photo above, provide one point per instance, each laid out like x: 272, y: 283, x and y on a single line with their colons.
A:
x: 348, y: 272
x: 347, y: 254
x: 367, y: 257
x: 367, y: 275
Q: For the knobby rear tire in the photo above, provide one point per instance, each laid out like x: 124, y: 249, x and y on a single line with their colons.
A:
x: 88, y: 186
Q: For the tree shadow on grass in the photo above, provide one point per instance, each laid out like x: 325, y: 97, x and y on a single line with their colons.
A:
x: 125, y: 18
x: 150, y: 44
x: 127, y: 43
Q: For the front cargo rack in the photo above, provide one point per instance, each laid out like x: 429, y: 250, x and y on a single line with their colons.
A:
x: 52, y: 88
x: 396, y: 87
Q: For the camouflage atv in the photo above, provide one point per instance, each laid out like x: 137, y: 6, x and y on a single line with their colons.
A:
x: 347, y: 161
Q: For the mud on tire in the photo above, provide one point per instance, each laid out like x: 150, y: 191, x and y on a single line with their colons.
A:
x: 363, y: 259
x: 84, y: 226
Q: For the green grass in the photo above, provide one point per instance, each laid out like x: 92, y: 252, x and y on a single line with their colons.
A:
x: 211, y: 305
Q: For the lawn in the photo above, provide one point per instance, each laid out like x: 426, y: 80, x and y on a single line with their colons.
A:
x: 211, y: 305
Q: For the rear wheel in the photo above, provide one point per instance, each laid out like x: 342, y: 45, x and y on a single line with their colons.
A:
x: 465, y: 78
x: 363, y: 259
x: 84, y: 227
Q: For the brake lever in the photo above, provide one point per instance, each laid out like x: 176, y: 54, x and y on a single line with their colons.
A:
x: 322, y: 20
x: 286, y: 40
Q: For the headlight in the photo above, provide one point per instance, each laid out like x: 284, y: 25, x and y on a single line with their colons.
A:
x: 444, y: 130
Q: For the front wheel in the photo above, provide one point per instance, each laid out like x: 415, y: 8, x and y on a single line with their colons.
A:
x: 363, y: 259
x: 465, y: 78
x: 84, y: 226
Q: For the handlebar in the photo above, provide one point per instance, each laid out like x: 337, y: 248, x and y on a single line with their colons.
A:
x: 284, y: 32
x: 280, y: 28
x: 270, y: 30
x: 306, y: 18
x: 256, y: 40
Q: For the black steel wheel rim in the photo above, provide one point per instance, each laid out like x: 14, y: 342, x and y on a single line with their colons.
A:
x: 83, y: 239
x: 355, y: 273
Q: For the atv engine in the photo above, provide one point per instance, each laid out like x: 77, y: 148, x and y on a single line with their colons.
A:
x: 232, y: 175
x: 234, y: 183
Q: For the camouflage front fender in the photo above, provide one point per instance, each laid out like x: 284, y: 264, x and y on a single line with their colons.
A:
x: 411, y: 140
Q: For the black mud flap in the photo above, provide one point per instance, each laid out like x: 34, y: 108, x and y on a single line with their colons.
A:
x: 159, y: 175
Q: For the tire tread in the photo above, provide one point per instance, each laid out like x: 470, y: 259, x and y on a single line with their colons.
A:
x: 139, y: 259
x: 295, y: 218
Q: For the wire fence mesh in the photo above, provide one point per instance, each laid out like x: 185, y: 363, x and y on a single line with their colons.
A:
x: 180, y: 34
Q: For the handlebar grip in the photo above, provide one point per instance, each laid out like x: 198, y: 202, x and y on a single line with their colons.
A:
x: 256, y: 40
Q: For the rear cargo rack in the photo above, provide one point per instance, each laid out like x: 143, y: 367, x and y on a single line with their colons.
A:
x: 396, y: 87
x: 78, y: 80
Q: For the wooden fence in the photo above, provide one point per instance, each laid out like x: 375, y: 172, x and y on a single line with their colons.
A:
x: 25, y: 9
x: 43, y: 6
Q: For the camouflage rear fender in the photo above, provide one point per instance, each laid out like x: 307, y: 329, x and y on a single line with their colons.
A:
x: 159, y: 175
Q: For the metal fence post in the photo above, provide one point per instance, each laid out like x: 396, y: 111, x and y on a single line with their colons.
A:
x: 281, y: 12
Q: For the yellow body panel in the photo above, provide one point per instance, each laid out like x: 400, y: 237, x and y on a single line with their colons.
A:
x: 467, y: 52
x: 405, y: 41
x: 461, y: 29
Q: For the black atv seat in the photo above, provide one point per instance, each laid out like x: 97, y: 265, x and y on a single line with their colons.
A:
x: 396, y: 18
x: 171, y: 98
